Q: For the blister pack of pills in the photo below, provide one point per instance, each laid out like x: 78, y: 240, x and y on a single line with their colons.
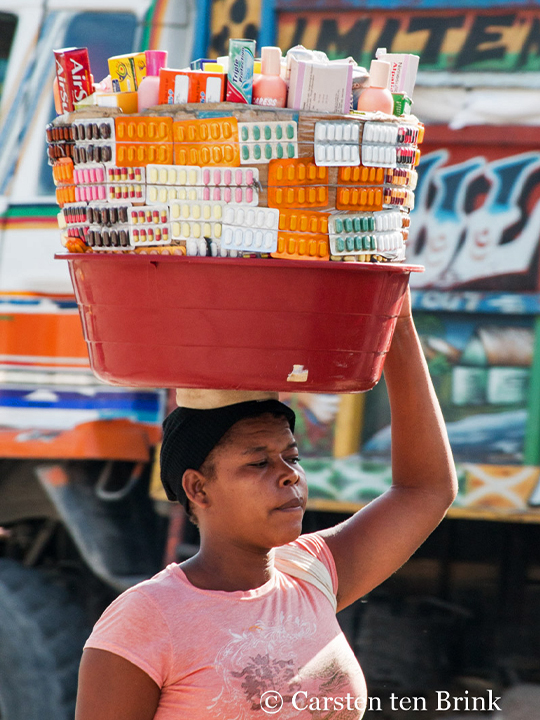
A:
x: 75, y: 214
x: 302, y: 246
x: 297, y: 183
x: 389, y: 243
x: 303, y: 221
x: 209, y: 141
x: 108, y: 225
x: 389, y: 144
x: 250, y: 229
x: 108, y: 214
x: 261, y: 142
x: 59, y: 142
x: 350, y: 223
x: 337, y: 143
x: 90, y: 182
x: 143, y: 140
x: 196, y: 219
x: 149, y: 225
x: 360, y: 198
x: 94, y: 141
x: 231, y: 184
x: 63, y: 171
x: 203, y: 247
x: 109, y: 238
x: 405, y: 177
x: 126, y: 183
x: 161, y: 250
x: 398, y: 197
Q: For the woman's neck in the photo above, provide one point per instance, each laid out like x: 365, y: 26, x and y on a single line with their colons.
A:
x: 229, y: 567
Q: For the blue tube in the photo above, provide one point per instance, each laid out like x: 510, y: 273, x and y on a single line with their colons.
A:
x: 267, y: 33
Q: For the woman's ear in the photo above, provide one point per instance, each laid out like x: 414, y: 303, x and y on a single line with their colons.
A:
x: 194, y: 484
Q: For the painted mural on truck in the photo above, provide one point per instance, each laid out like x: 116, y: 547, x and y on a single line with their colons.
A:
x: 476, y: 36
x: 476, y: 223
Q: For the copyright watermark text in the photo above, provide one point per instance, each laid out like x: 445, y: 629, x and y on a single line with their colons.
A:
x: 272, y: 702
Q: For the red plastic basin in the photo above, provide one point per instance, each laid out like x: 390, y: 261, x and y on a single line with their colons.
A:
x: 152, y: 321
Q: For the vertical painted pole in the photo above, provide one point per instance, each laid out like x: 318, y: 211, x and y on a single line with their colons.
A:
x: 532, y: 432
x: 203, y: 22
x: 267, y: 33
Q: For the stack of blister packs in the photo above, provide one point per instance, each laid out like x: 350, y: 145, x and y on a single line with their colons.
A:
x: 227, y: 180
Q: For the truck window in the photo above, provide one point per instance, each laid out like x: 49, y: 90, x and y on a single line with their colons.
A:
x: 8, y: 24
x: 104, y: 34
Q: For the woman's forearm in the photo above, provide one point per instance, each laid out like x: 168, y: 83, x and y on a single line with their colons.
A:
x: 421, y: 454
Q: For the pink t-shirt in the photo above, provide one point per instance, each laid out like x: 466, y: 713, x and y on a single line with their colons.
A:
x: 222, y: 655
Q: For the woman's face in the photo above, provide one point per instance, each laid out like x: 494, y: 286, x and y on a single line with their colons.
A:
x: 258, y: 493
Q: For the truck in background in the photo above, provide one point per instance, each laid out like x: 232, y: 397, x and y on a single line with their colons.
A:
x: 77, y: 524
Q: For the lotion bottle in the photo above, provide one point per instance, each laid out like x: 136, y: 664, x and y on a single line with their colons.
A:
x: 269, y: 88
x: 377, y: 97
x: 148, y: 92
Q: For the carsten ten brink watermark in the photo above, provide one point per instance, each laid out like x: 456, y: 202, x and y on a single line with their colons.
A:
x: 272, y: 702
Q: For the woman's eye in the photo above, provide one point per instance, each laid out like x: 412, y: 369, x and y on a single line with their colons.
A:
x: 294, y: 461
x: 261, y: 463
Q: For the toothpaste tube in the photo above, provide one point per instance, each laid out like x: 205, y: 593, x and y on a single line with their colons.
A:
x: 240, y: 76
x: 73, y: 75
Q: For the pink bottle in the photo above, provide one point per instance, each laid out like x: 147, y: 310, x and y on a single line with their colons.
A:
x: 377, y: 97
x: 269, y: 88
x: 148, y: 92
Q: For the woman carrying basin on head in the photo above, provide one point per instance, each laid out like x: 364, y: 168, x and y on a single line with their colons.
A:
x: 247, y: 626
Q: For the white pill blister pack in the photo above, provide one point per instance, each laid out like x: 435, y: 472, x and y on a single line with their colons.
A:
x: 250, y: 229
x: 337, y: 143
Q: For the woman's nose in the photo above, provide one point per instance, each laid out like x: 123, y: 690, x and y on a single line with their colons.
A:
x: 289, y: 474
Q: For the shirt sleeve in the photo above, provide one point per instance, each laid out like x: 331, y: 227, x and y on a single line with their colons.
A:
x: 316, y: 545
x: 134, y: 628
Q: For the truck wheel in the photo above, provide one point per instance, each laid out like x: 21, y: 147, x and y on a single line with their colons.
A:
x: 41, y: 637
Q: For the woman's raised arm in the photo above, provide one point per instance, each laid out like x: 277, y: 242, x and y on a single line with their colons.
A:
x: 378, y: 539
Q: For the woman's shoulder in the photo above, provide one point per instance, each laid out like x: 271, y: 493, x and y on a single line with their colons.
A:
x: 308, y: 558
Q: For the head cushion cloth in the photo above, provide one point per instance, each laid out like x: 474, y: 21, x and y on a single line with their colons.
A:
x: 189, y: 435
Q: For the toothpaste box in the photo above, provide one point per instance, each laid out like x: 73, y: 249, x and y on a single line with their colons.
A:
x: 323, y: 87
x: 127, y: 71
x: 177, y: 87
x: 73, y: 74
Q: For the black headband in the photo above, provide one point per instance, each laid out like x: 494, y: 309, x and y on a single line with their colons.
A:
x: 189, y: 435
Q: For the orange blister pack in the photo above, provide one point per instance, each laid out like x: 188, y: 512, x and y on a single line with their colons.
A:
x: 303, y: 221
x: 303, y: 235
x: 360, y: 198
x: 302, y: 246
x: 65, y: 194
x: 143, y: 140
x: 296, y: 183
x: 63, y: 171
x: 360, y: 175
x: 212, y: 141
x: 360, y: 188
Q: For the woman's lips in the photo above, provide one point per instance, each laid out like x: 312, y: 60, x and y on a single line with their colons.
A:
x: 291, y: 505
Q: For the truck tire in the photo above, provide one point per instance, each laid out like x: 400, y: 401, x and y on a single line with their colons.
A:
x: 42, y: 632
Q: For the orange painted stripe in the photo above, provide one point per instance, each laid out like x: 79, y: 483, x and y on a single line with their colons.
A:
x: 42, y: 336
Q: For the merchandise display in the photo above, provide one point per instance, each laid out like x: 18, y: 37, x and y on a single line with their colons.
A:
x: 259, y: 222
x: 182, y: 156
